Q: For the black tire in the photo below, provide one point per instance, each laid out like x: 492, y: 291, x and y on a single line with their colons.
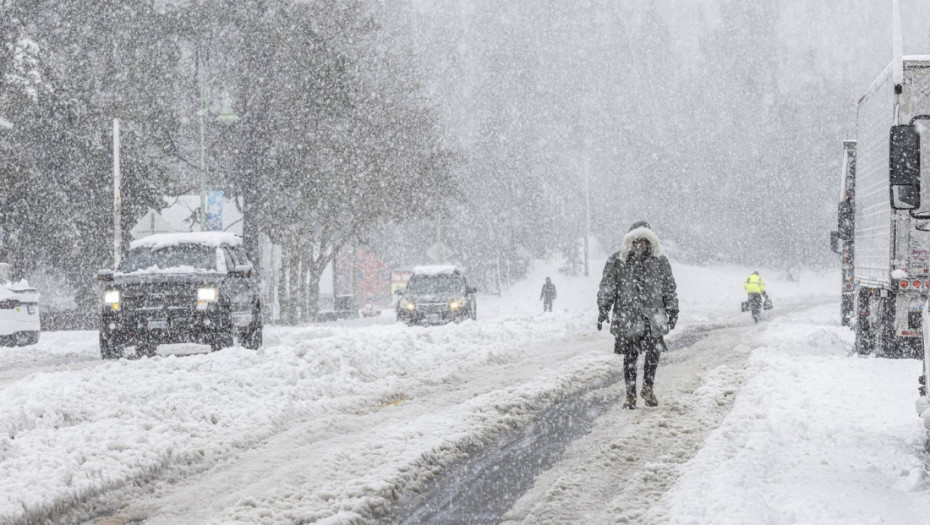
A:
x: 110, y: 349
x: 250, y: 337
x: 221, y: 339
x: 145, y: 349
x: 864, y: 344
x: 885, y: 341
x: 911, y: 347
x: 473, y: 311
x: 26, y: 338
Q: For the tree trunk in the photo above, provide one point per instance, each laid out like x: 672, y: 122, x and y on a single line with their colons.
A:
x: 313, y: 292
x: 302, y: 287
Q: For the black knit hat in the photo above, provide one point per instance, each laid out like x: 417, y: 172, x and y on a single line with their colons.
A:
x: 640, y: 224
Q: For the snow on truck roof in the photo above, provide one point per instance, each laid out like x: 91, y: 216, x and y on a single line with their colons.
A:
x: 438, y: 269
x: 160, y: 240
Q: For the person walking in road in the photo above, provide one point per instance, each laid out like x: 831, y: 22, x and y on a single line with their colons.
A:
x: 755, y: 288
x: 639, y: 286
x: 547, y: 295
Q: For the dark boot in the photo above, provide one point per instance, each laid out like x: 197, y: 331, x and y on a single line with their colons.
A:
x: 649, y: 397
x: 630, y: 400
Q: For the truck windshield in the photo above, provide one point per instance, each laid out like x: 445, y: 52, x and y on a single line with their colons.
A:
x: 181, y: 257
x: 435, y: 284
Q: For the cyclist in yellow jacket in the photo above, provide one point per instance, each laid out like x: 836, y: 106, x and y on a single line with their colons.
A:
x: 755, y: 287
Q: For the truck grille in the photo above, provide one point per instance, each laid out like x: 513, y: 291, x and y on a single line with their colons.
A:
x: 159, y: 296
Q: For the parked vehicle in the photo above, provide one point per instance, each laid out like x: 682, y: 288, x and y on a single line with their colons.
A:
x: 436, y: 295
x: 180, y: 288
x: 885, y: 253
x: 19, y: 313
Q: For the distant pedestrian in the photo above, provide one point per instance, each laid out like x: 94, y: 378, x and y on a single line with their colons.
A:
x: 547, y: 295
x: 639, y: 286
x: 755, y: 289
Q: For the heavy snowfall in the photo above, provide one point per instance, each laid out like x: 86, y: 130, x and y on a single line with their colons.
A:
x: 356, y: 421
x: 298, y: 167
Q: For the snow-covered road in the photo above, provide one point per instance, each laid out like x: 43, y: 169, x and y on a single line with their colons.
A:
x: 344, y: 422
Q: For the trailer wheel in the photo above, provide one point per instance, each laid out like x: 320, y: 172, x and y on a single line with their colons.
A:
x: 864, y: 343
x: 911, y: 347
x: 865, y: 340
x: 887, y: 344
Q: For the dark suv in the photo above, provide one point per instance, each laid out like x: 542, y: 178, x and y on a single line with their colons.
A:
x: 437, y: 294
x: 180, y: 288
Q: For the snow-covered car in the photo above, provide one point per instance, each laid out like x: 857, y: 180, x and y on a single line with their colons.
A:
x: 180, y: 288
x: 435, y: 295
x: 19, y: 314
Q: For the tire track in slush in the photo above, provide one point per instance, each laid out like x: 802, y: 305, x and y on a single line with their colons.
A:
x: 484, y: 487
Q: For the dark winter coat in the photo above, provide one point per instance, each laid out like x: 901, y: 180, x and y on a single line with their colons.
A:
x: 640, y: 289
x: 548, y: 292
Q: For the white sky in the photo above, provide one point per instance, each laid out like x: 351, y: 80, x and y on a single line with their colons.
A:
x: 331, y: 423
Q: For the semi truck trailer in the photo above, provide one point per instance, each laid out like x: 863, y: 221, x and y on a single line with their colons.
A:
x: 882, y: 215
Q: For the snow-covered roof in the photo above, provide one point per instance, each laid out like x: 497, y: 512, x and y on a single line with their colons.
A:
x: 436, y: 269
x: 160, y: 240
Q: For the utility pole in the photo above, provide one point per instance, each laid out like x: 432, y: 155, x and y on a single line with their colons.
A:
x: 117, y: 229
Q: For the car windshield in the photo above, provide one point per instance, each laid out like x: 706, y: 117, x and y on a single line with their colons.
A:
x: 435, y: 284
x: 193, y: 257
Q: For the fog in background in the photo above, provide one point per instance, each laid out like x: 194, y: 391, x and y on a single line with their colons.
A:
x: 433, y: 130
x: 720, y: 122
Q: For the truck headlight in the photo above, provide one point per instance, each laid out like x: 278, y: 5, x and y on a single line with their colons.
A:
x: 458, y: 303
x: 206, y: 296
x: 407, y: 304
x: 111, y: 298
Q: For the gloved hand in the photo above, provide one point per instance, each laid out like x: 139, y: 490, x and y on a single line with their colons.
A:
x: 601, y: 317
x: 672, y: 319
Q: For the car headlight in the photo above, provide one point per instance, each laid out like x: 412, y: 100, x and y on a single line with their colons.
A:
x: 407, y: 304
x: 458, y: 303
x: 206, y: 296
x: 111, y: 297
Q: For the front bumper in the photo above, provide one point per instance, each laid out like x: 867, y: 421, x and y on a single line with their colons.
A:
x: 163, y: 325
x: 431, y: 314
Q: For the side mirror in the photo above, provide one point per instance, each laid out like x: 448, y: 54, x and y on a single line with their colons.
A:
x: 243, y: 270
x: 398, y: 292
x: 104, y: 275
x: 471, y: 289
x: 904, y: 167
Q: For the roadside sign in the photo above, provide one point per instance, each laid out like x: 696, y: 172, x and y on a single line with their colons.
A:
x: 214, y: 211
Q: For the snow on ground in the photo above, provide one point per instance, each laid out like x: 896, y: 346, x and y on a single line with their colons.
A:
x: 72, y: 428
x: 815, y: 436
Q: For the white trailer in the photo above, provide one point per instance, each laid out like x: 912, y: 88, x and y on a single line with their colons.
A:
x: 891, y: 263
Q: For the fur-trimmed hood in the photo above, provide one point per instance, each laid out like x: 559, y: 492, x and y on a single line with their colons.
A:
x: 641, y: 232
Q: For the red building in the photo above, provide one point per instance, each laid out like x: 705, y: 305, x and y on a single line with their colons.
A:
x: 360, y: 274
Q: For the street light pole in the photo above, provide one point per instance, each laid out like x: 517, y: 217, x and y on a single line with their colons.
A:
x: 117, y: 198
x: 226, y: 117
x: 203, y: 162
